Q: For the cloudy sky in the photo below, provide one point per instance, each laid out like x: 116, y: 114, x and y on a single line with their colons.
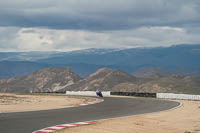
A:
x: 65, y: 25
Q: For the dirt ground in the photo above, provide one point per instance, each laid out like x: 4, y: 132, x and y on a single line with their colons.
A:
x: 185, y: 119
x: 21, y: 103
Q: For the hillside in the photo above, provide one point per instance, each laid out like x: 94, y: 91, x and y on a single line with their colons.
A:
x: 104, y: 79
x: 177, y: 59
x: 44, y: 80
x: 129, y: 60
x: 148, y: 72
x: 173, y: 84
x: 60, y: 79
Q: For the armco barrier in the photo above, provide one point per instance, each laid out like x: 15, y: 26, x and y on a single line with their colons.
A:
x: 136, y: 94
x: 87, y: 93
x: 177, y: 96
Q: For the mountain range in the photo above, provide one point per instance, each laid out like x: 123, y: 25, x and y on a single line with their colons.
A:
x: 61, y: 79
x: 176, y: 59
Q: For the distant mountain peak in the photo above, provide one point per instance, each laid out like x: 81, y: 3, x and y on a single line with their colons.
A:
x: 182, y: 59
x: 98, y: 51
x: 103, y: 79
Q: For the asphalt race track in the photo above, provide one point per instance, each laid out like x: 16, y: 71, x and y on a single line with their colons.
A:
x: 26, y: 122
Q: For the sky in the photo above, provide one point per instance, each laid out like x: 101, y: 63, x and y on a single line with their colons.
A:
x: 66, y: 25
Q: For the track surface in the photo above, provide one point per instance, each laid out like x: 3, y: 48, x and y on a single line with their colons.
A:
x: 26, y: 122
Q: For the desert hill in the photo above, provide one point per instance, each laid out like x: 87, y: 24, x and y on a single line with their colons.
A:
x: 60, y: 79
x: 104, y: 79
x: 44, y: 80
x: 173, y: 84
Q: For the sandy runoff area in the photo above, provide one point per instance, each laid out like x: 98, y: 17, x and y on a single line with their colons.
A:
x: 185, y: 119
x: 21, y: 103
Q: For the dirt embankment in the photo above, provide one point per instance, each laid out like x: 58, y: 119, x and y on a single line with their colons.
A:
x: 185, y: 119
x: 21, y: 103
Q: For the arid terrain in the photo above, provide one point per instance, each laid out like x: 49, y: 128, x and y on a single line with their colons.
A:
x: 61, y: 79
x: 185, y: 119
x: 21, y: 103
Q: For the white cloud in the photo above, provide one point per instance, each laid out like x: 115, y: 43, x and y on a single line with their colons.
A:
x: 34, y: 40
x: 74, y: 24
x: 166, y: 28
x: 41, y: 39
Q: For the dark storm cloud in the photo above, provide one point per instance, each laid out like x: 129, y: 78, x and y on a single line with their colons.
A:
x: 99, y: 14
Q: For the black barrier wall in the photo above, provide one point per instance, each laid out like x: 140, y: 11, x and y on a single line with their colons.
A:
x: 136, y: 94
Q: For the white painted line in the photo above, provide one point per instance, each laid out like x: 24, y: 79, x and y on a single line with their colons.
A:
x: 68, y: 125
x: 56, y: 128
x: 83, y: 123
x: 43, y: 131
x: 83, y: 104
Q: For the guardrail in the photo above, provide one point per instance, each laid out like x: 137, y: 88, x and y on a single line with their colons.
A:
x: 177, y: 96
x: 136, y: 94
x: 87, y: 93
x: 108, y: 93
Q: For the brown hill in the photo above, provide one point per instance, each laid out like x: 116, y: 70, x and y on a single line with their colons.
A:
x: 49, y: 79
x: 153, y: 72
x: 62, y: 79
x: 104, y: 79
x: 172, y: 84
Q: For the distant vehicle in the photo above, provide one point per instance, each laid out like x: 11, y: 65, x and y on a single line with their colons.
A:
x: 99, y: 93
